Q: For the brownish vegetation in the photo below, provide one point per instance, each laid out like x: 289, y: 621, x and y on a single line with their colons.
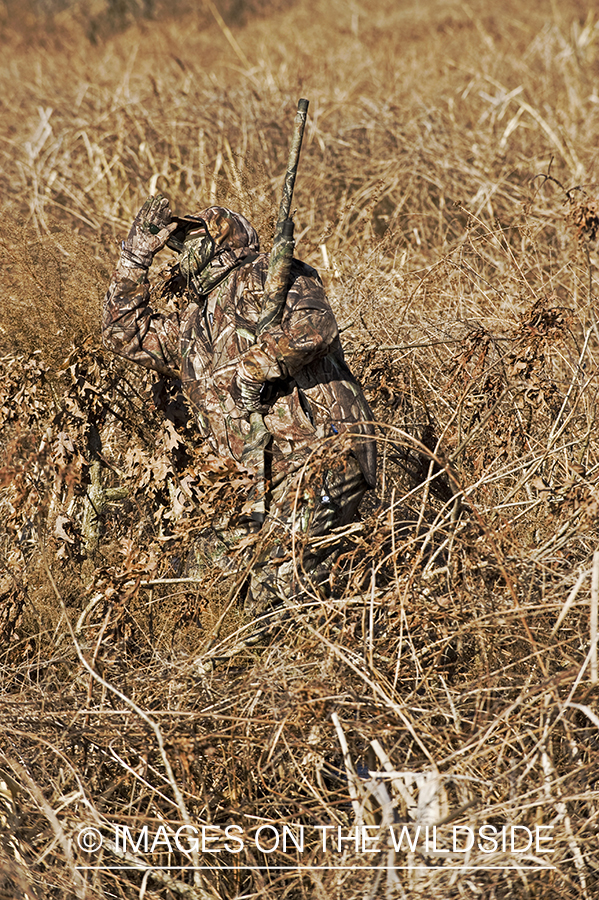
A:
x: 447, y: 196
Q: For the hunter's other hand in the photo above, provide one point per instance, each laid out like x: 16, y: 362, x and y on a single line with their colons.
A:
x: 249, y: 394
x: 149, y: 233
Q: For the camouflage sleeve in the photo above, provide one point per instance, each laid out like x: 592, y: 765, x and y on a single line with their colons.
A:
x: 307, y: 332
x: 133, y: 329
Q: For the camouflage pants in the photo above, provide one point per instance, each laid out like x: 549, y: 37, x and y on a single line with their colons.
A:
x: 304, y: 507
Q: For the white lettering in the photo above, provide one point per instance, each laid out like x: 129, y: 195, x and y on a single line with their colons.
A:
x: 324, y: 829
x: 514, y: 829
x: 482, y: 833
x: 234, y: 837
x: 276, y: 835
x: 142, y: 837
x: 161, y: 838
x: 540, y: 839
x: 469, y: 840
x: 193, y: 843
x: 209, y: 837
x: 405, y: 833
x: 287, y: 833
x: 367, y: 839
x: 436, y: 849
x: 355, y: 838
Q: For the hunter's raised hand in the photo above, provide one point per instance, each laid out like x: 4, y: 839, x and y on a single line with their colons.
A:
x: 149, y: 233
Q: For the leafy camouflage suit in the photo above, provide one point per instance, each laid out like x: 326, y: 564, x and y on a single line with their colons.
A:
x: 308, y: 393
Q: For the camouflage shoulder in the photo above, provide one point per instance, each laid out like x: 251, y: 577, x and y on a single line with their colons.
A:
x: 300, y: 268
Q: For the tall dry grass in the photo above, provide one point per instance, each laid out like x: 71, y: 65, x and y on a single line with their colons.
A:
x: 447, y: 196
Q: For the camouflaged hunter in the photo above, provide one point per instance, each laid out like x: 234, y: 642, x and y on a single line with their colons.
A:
x: 308, y: 396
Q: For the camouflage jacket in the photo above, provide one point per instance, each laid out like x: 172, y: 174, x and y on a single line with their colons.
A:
x: 309, y: 392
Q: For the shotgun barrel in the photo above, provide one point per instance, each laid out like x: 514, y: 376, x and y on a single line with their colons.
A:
x: 277, y: 279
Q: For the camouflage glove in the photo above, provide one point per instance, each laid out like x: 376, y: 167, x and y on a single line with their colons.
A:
x: 149, y: 233
x: 257, y: 365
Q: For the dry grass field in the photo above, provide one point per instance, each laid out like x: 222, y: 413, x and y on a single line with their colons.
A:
x: 448, y: 195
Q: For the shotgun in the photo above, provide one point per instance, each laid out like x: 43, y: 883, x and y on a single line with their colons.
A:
x: 273, y: 304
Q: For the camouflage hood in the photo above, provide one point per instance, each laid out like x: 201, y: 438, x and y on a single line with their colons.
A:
x: 221, y: 241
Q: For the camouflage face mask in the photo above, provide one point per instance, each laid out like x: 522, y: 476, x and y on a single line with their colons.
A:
x: 198, y: 250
